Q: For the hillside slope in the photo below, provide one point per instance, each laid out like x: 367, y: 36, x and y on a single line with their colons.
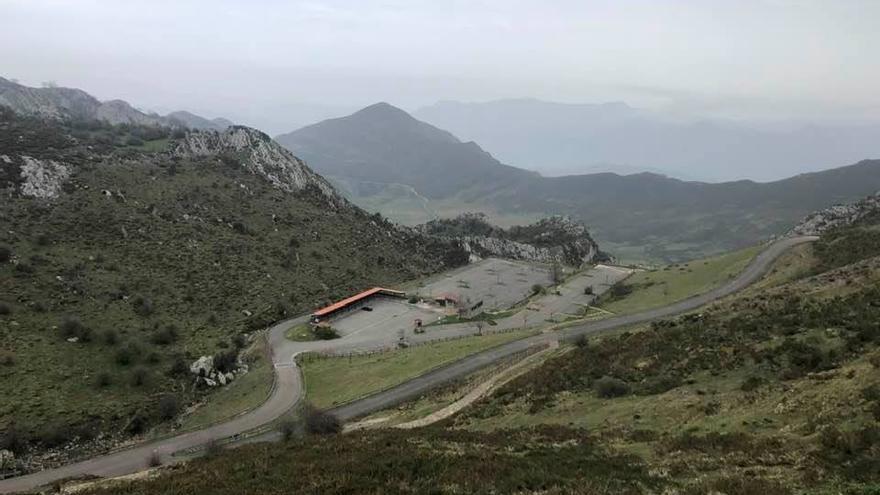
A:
x: 123, y: 263
x: 643, y: 216
x: 772, y: 391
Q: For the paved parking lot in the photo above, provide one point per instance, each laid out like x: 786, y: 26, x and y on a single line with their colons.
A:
x: 387, y: 318
x: 498, y: 283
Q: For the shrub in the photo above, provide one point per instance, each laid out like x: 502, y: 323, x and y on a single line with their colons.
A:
x: 320, y: 422
x: 413, y: 299
x: 7, y: 358
x: 582, y: 341
x: 138, y: 423
x: 871, y: 393
x: 166, y: 336
x: 751, y: 383
x: 54, y: 435
x: 154, y: 460
x: 128, y: 354
x: 538, y: 289
x: 5, y: 254
x: 139, y: 376
x: 239, y: 341
x: 142, y: 306
x: 5, y: 309
x: 326, y: 333
x: 213, y: 449
x: 225, y: 361
x: 110, y: 336
x: 608, y: 387
x: 70, y: 327
x: 178, y: 367
x: 169, y: 406
x: 13, y: 439
x: 103, y: 379
x: 621, y: 290
x: 288, y: 429
x: 588, y: 290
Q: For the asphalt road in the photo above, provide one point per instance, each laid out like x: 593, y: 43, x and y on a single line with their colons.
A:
x: 288, y: 389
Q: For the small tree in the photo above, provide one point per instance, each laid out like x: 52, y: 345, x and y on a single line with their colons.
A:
x: 608, y: 387
x: 169, y: 406
x: 287, y: 429
x: 320, y: 422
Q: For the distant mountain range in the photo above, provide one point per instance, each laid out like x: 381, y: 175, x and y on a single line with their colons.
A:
x: 565, y: 139
x: 643, y: 216
x: 76, y: 104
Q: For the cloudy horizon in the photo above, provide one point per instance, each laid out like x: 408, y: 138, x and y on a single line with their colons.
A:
x: 261, y: 62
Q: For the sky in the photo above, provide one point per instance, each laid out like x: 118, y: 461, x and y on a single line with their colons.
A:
x: 280, y: 64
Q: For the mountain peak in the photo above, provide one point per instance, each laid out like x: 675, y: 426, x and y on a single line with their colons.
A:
x: 384, y: 111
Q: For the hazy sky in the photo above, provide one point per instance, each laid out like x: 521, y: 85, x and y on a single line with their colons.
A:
x: 257, y: 61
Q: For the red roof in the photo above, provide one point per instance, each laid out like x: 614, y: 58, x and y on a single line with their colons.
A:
x: 353, y: 299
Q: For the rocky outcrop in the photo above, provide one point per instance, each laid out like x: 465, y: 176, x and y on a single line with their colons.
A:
x: 836, y: 216
x: 42, y: 178
x: 554, y: 239
x: 260, y: 155
x: 206, y: 374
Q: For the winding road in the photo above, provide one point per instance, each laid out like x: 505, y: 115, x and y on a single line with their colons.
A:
x: 289, y: 388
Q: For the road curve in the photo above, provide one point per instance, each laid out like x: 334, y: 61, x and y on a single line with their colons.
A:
x: 288, y: 383
x: 419, y: 385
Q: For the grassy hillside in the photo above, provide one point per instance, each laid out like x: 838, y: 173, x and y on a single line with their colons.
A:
x: 653, y: 288
x: 773, y: 391
x: 147, y: 260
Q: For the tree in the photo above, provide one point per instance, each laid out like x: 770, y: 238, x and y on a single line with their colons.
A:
x: 556, y: 273
x: 319, y: 422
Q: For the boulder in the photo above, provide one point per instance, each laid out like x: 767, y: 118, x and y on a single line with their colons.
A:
x: 230, y: 377
x: 202, y: 366
x: 221, y: 378
x: 7, y: 460
x: 210, y: 383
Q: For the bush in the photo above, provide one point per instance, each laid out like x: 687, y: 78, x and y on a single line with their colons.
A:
x: 225, y: 361
x: 588, y: 290
x: 5, y: 254
x: 178, y: 367
x: 288, y: 429
x: 609, y: 387
x: 582, y: 341
x: 169, y: 406
x: 54, y: 435
x: 70, y: 327
x: 621, y: 290
x: 13, y: 439
x: 239, y: 341
x: 128, y: 354
x: 103, y: 379
x: 751, y: 383
x: 320, y: 422
x: 5, y: 309
x: 326, y: 333
x: 110, y: 336
x: 166, y: 336
x: 154, y: 460
x: 139, y: 376
x: 7, y: 358
x: 413, y: 299
x: 538, y: 289
x: 142, y: 306
x: 138, y: 423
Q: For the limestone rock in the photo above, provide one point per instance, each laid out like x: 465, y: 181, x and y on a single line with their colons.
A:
x: 202, y: 366
x: 836, y: 216
x: 260, y: 156
x: 7, y: 460
x: 43, y: 178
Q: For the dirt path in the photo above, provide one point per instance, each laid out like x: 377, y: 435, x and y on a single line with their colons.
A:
x: 481, y: 390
